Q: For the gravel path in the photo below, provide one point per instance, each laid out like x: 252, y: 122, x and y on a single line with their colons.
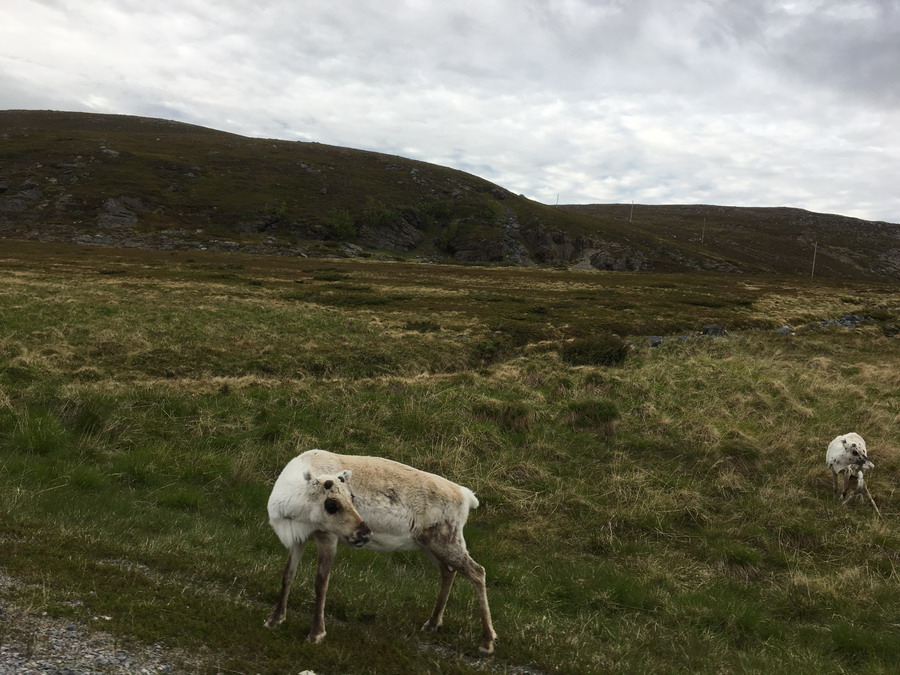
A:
x: 32, y: 642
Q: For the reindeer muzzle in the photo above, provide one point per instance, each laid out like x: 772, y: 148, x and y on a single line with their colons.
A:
x: 360, y: 537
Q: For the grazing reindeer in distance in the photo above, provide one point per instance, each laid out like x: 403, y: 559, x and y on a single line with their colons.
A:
x: 848, y: 455
x: 378, y: 504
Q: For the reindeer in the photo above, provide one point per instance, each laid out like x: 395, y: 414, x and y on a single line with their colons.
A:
x: 388, y: 506
x: 848, y: 454
x: 856, y: 486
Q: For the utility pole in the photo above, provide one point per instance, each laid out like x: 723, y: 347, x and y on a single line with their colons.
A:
x: 631, y: 215
x: 703, y: 231
x: 815, y: 249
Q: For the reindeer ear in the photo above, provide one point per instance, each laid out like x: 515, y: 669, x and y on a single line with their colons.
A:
x: 344, y: 476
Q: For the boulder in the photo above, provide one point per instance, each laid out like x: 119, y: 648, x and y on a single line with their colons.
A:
x: 119, y: 212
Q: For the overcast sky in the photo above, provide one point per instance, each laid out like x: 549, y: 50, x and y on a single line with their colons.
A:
x: 730, y: 102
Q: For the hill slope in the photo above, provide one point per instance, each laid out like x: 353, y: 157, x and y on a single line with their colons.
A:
x: 142, y: 182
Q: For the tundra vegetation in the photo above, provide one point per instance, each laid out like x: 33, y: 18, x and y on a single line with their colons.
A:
x: 643, y: 510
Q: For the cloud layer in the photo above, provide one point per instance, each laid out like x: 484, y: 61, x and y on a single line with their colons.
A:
x: 705, y: 101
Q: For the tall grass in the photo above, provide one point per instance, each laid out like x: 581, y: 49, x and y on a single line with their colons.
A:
x: 670, y: 512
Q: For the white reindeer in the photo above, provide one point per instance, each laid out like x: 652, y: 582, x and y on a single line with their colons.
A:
x: 848, y: 455
x: 388, y: 507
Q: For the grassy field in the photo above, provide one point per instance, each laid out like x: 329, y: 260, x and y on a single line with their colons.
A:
x: 668, y: 511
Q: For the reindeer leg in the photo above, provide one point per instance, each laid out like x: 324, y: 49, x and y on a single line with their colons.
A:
x: 452, y: 554
x: 447, y: 576
x: 872, y: 501
x: 445, y: 544
x: 475, y: 573
x: 326, y: 546
x: 287, y: 577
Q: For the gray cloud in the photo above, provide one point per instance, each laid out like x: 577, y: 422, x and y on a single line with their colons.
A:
x: 749, y: 103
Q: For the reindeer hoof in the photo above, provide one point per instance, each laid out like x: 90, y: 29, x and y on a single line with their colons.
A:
x: 316, y: 638
x: 487, y: 646
x: 432, y: 627
x: 273, y: 621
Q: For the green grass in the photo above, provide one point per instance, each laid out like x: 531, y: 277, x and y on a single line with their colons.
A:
x: 667, y: 513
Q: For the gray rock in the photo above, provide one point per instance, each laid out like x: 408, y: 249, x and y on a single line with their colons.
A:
x: 120, y: 212
x: 550, y: 248
x: 398, y: 235
x: 13, y: 204
x: 27, y: 195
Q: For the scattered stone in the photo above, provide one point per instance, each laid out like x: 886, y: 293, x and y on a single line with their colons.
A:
x: 715, y: 330
x: 352, y: 250
x: 36, y: 643
x: 846, y: 321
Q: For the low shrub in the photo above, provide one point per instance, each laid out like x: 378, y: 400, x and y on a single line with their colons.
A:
x: 508, y: 415
x: 423, y: 326
x: 38, y: 433
x: 599, y: 414
x: 602, y: 350
x: 880, y: 314
x: 331, y: 276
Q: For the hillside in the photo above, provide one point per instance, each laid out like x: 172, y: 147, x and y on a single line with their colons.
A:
x: 150, y: 183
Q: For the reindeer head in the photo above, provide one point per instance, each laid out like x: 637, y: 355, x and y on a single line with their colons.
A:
x: 857, y: 454
x: 333, y: 502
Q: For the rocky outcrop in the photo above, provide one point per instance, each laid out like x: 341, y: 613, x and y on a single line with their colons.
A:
x: 477, y: 250
x: 26, y: 196
x: 397, y: 235
x: 560, y: 248
x: 513, y: 249
x: 612, y: 257
x: 505, y: 245
x: 549, y: 247
x: 120, y: 212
